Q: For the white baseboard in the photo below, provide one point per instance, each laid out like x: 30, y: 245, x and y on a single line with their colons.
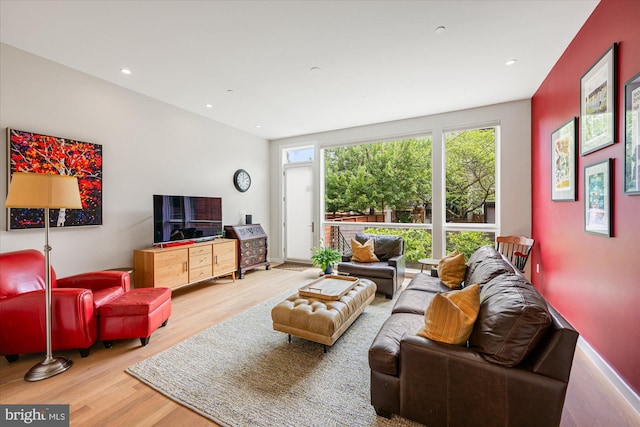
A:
x: 611, y: 375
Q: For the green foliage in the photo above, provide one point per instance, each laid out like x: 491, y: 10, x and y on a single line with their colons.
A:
x: 367, y: 177
x: 467, y: 242
x: 417, y: 242
x: 470, y: 171
x: 324, y: 257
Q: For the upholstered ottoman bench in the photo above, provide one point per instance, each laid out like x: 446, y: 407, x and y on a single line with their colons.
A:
x: 319, y: 319
x: 134, y: 314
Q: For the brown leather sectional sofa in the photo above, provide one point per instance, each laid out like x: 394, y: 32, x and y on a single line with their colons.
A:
x: 513, y: 371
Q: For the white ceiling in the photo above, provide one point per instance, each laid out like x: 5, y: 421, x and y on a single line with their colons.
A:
x: 252, y: 60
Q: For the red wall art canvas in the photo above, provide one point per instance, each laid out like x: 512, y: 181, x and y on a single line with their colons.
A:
x: 37, y: 153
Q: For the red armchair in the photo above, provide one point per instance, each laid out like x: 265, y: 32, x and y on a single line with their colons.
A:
x: 75, y: 304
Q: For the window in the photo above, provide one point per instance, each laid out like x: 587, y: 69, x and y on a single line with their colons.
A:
x: 470, y: 176
x: 388, y: 188
x: 376, y: 187
x: 470, y: 189
x: 298, y: 155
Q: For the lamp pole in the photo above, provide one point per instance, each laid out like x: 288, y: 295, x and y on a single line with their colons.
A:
x: 33, y: 190
x: 51, y: 365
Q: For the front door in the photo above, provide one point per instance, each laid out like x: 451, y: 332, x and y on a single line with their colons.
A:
x: 298, y: 209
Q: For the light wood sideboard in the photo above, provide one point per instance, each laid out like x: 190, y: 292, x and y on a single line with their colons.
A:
x: 178, y: 266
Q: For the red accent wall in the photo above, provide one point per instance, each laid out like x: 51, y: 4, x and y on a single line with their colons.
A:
x: 593, y: 281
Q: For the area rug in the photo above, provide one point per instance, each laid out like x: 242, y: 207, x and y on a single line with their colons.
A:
x: 294, y: 266
x: 243, y: 373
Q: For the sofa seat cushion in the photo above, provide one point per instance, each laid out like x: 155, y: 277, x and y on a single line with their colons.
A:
x: 385, y: 348
x: 512, y: 320
x: 413, y: 301
x: 427, y: 283
x: 368, y: 269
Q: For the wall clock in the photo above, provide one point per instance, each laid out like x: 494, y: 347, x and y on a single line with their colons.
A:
x: 242, y: 180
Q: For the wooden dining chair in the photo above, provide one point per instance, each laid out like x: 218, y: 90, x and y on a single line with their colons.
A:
x: 516, y: 249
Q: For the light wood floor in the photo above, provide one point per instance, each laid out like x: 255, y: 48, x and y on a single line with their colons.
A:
x: 100, y: 393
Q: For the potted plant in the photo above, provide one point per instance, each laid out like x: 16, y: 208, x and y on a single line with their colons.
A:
x: 325, y: 258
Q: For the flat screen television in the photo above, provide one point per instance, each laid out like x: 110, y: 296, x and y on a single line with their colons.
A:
x: 186, y: 218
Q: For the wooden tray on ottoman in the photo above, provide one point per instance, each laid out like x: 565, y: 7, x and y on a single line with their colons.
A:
x: 331, y: 287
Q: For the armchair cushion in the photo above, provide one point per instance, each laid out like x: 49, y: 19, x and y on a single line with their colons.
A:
x: 22, y: 271
x: 363, y: 252
x: 384, y: 246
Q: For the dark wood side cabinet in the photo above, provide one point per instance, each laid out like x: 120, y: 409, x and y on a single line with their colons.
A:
x: 252, y: 246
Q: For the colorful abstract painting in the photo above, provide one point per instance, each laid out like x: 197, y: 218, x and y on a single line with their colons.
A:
x: 37, y: 153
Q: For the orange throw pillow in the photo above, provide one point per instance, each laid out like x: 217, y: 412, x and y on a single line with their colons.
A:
x: 451, y: 315
x: 452, y: 269
x: 363, y: 252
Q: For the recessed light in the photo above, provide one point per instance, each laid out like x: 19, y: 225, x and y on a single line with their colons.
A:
x: 230, y: 91
x: 125, y: 71
x: 439, y: 30
x: 315, y: 69
x: 258, y: 126
x: 209, y: 106
x: 511, y: 62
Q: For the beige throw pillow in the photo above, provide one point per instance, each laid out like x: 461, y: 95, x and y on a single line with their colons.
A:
x: 451, y: 315
x: 452, y: 269
x: 363, y: 252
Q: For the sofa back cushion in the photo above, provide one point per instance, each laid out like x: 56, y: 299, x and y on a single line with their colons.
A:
x: 22, y: 271
x: 512, y: 320
x: 384, y: 246
x: 485, y: 271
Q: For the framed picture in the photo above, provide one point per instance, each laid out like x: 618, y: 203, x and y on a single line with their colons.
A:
x: 632, y: 135
x: 598, y: 96
x: 563, y: 162
x: 597, y: 198
x: 37, y: 153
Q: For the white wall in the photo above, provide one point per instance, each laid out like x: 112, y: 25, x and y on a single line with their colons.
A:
x: 149, y: 147
x: 514, y: 151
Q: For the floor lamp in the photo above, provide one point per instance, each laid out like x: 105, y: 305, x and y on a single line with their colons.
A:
x: 33, y: 190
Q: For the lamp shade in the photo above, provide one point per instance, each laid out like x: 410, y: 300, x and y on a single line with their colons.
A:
x: 35, y: 190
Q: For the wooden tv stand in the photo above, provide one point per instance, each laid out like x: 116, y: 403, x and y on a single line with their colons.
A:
x: 178, y: 266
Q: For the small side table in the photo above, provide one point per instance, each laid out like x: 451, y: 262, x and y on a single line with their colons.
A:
x: 427, y: 262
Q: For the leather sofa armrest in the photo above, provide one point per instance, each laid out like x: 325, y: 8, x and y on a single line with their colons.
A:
x: 398, y: 262
x: 97, y: 280
x: 67, y: 301
x: 22, y: 327
x: 435, y: 378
